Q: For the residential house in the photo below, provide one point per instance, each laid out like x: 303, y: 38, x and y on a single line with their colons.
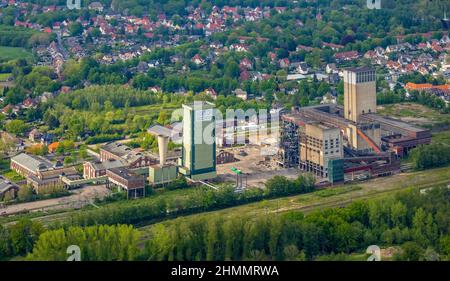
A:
x: 346, y: 56
x: 328, y: 98
x: 284, y: 63
x: 302, y: 68
x: 239, y: 48
x: 53, y: 147
x: 246, y: 64
x: 34, y: 135
x: 153, y: 63
x: 334, y: 47
x: 211, y: 92
x: 142, y: 67
x: 304, y: 48
x: 370, y: 54
x: 96, y: 6
x: 10, y: 109
x: 29, y: 103
x: 197, y: 59
x: 331, y: 68
x: 47, y: 139
x: 241, y: 94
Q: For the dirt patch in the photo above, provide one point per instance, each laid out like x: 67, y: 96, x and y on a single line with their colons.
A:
x: 420, y: 121
x: 256, y: 166
x: 413, y: 113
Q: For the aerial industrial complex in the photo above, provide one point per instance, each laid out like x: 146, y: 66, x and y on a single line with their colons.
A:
x: 333, y: 141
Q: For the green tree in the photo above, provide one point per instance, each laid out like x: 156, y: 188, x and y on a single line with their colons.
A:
x: 23, y: 236
x: 75, y: 29
x: 5, y: 243
x: 25, y: 193
x: 97, y: 243
x: 411, y: 251
x: 232, y: 69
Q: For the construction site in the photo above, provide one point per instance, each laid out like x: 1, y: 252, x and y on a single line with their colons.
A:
x: 339, y: 143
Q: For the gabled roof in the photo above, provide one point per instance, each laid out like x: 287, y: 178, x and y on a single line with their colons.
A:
x: 124, y: 152
x: 6, y: 185
x: 31, y: 162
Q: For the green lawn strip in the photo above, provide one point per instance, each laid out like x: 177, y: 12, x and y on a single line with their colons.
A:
x: 12, y: 53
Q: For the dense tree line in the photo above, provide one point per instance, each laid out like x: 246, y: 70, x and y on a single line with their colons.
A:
x: 29, y: 81
x: 418, y: 78
x: 430, y: 156
x: 391, y: 97
x: 430, y: 100
x: 97, y: 243
x: 19, y: 239
x: 416, y: 222
x: 281, y: 186
x: 87, y: 69
x: 106, y: 97
x: 100, y: 112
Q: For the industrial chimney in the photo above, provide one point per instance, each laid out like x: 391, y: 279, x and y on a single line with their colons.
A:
x: 163, y: 142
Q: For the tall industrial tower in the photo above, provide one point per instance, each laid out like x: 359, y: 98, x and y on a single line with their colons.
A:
x: 359, y: 92
x: 198, y: 160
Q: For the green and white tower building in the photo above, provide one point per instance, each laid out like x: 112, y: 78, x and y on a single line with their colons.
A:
x: 198, y: 160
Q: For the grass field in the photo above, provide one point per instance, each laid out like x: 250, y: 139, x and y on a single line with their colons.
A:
x: 13, y: 176
x: 441, y: 137
x: 414, y: 113
x: 12, y: 53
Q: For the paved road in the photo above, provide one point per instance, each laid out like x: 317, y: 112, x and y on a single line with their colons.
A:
x: 61, y: 47
x: 80, y: 198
